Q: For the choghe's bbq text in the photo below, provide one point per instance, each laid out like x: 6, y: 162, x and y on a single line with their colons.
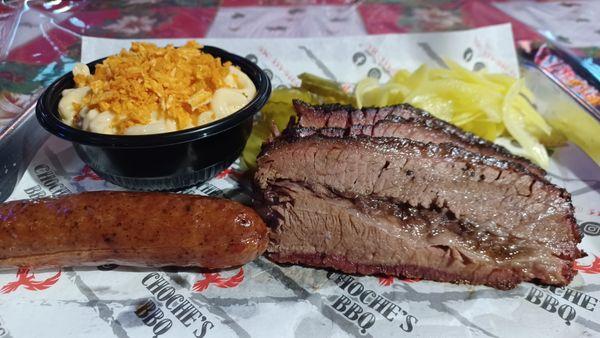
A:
x: 361, y: 304
x: 179, y: 306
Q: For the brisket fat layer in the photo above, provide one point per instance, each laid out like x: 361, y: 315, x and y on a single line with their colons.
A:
x: 382, y: 205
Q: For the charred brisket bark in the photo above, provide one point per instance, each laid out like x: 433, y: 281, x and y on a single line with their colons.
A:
x: 411, y: 207
x: 401, y: 121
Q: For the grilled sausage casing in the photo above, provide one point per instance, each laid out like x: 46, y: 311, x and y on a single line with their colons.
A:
x: 129, y: 228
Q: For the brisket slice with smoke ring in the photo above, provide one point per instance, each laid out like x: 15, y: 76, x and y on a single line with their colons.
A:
x: 403, y: 121
x: 402, y: 207
x: 368, y: 236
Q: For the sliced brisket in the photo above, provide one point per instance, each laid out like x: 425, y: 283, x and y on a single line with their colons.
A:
x: 402, y: 121
x: 383, y: 205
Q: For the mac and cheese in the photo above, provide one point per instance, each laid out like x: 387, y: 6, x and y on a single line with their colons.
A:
x: 150, y: 90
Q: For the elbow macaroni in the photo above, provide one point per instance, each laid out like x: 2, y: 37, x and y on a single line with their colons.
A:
x: 70, y: 98
x: 236, y: 92
x: 226, y: 101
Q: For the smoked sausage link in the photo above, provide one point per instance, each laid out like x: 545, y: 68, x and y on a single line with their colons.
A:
x: 129, y: 228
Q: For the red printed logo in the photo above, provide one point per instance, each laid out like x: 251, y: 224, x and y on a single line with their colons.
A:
x: 389, y: 280
x: 87, y: 173
x: 217, y: 280
x: 386, y: 280
x: 227, y: 172
x: 27, y: 280
x: 593, y: 268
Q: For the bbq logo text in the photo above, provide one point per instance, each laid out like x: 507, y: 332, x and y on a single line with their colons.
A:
x: 185, y: 312
x: 562, y: 301
x: 361, y: 304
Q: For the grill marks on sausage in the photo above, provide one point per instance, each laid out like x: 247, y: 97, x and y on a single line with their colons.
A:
x: 365, y: 204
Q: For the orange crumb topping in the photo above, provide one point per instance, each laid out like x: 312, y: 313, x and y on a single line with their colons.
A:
x: 176, y: 83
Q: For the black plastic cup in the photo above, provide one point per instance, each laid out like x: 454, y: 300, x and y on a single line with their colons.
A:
x: 167, y: 161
